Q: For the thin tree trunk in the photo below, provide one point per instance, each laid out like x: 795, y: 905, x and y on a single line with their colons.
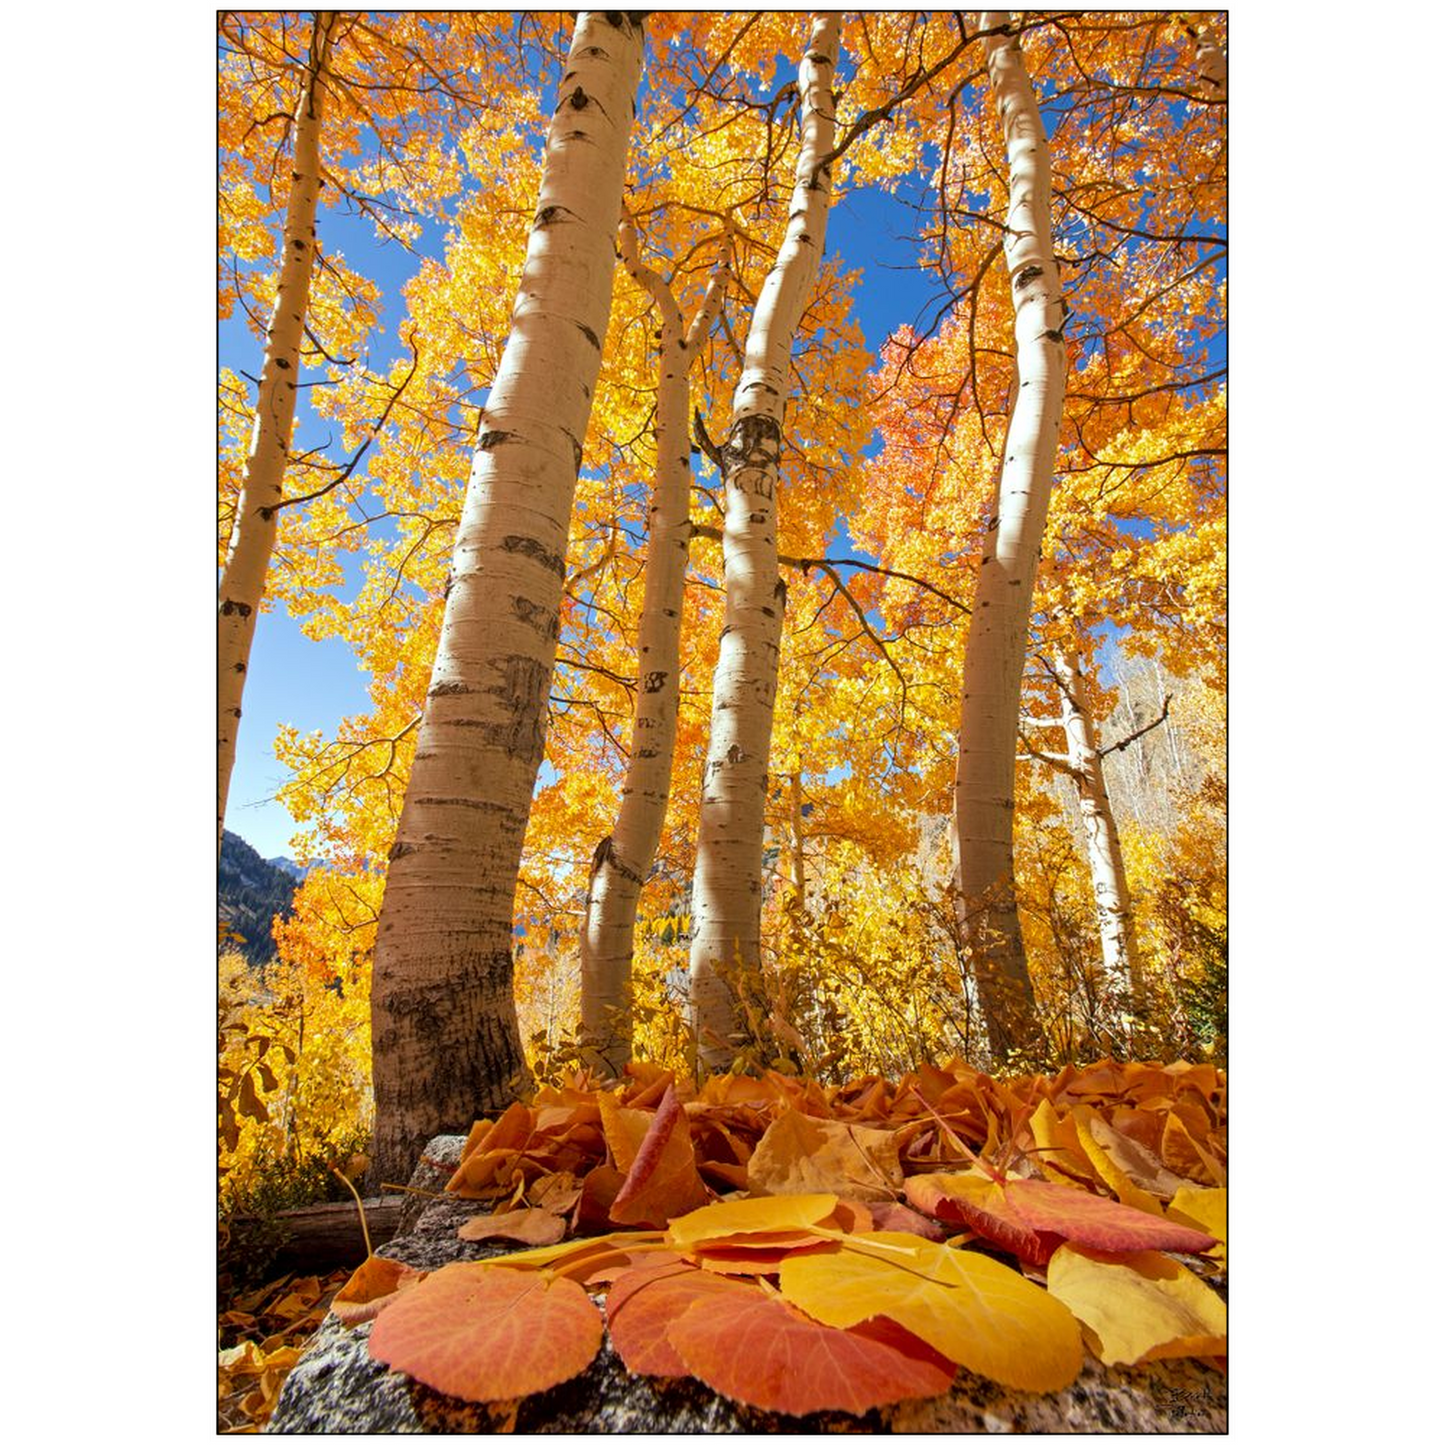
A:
x: 253, y: 530
x: 727, y: 884
x: 624, y: 858
x: 799, y: 879
x: 444, y: 1027
x: 998, y: 625
x: 1112, y: 902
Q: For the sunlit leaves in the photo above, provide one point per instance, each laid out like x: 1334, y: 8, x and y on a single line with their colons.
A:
x: 489, y: 1334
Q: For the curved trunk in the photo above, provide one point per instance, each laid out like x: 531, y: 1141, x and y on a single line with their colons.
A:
x: 444, y: 1027
x: 624, y: 858
x: 1112, y: 903
x: 253, y: 532
x: 998, y: 626
x: 727, y: 886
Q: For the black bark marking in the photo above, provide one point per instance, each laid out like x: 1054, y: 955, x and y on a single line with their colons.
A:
x: 539, y: 618
x: 531, y: 547
x: 735, y: 754
x: 654, y: 682
x: 1027, y: 275
x: 400, y: 850
x: 490, y: 439
x: 242, y: 609
x: 448, y: 689
x: 780, y: 589
x: 578, y: 99
x: 590, y: 334
x: 282, y: 364
x: 240, y: 667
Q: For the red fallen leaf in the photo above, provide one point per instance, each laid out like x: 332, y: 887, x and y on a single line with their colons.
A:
x: 662, y: 1181
x: 644, y: 1300
x: 1100, y: 1223
x: 901, y: 1218
x: 649, y: 1152
x: 750, y: 1259
x: 982, y: 1206
x: 374, y: 1284
x: 487, y: 1333
x: 754, y: 1348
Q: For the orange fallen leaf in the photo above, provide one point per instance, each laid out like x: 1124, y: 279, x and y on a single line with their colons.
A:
x: 752, y: 1347
x: 489, y: 1334
x: 644, y: 1300
x: 662, y: 1180
x: 1099, y: 1223
x: 802, y: 1155
x: 373, y: 1285
x: 529, y: 1226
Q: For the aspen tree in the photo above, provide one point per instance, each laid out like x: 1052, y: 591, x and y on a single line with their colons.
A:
x: 444, y: 1028
x: 624, y: 858
x: 727, y: 882
x: 1085, y: 765
x: 253, y: 534
x: 999, y: 623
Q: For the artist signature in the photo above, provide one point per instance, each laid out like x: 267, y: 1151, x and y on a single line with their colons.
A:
x: 1187, y: 1404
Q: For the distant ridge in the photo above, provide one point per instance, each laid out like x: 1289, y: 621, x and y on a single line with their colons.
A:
x: 250, y: 892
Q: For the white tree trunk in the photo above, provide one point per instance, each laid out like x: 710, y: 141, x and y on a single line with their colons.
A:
x: 624, y: 858
x: 444, y: 1029
x: 998, y: 626
x: 727, y: 883
x: 253, y: 530
x: 1112, y: 903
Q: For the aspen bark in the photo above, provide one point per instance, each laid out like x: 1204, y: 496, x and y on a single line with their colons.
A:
x: 624, y: 858
x: 1112, y: 904
x: 253, y: 530
x: 727, y: 883
x: 444, y: 1029
x: 998, y: 625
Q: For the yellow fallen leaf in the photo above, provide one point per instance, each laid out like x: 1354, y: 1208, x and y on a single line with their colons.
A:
x: 974, y: 1310
x: 1138, y: 1305
x: 1125, y: 1167
x: 1060, y: 1155
x: 750, y: 1216
x: 802, y: 1155
x: 1206, y: 1209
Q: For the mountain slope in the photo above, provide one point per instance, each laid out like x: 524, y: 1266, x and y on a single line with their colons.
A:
x: 250, y: 892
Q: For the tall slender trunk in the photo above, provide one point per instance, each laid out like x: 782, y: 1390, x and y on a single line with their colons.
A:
x: 727, y: 884
x: 998, y: 626
x: 1112, y: 904
x: 799, y: 876
x: 253, y: 531
x: 444, y: 1025
x: 624, y: 858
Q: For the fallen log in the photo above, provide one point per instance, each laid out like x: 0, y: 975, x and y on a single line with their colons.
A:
x: 318, y: 1237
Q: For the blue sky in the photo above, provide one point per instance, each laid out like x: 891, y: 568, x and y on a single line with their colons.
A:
x: 312, y: 685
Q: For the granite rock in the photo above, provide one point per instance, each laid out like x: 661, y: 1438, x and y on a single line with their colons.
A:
x: 337, y: 1388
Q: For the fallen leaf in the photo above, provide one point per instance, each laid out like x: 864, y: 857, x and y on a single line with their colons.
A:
x: 642, y: 1303
x: 1099, y: 1223
x: 802, y: 1155
x: 529, y: 1226
x: 373, y: 1285
x: 752, y: 1347
x: 750, y: 1216
x: 1206, y: 1209
x: 1139, y: 1305
x: 662, y: 1180
x: 489, y: 1334
x: 976, y: 1311
x: 980, y: 1203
